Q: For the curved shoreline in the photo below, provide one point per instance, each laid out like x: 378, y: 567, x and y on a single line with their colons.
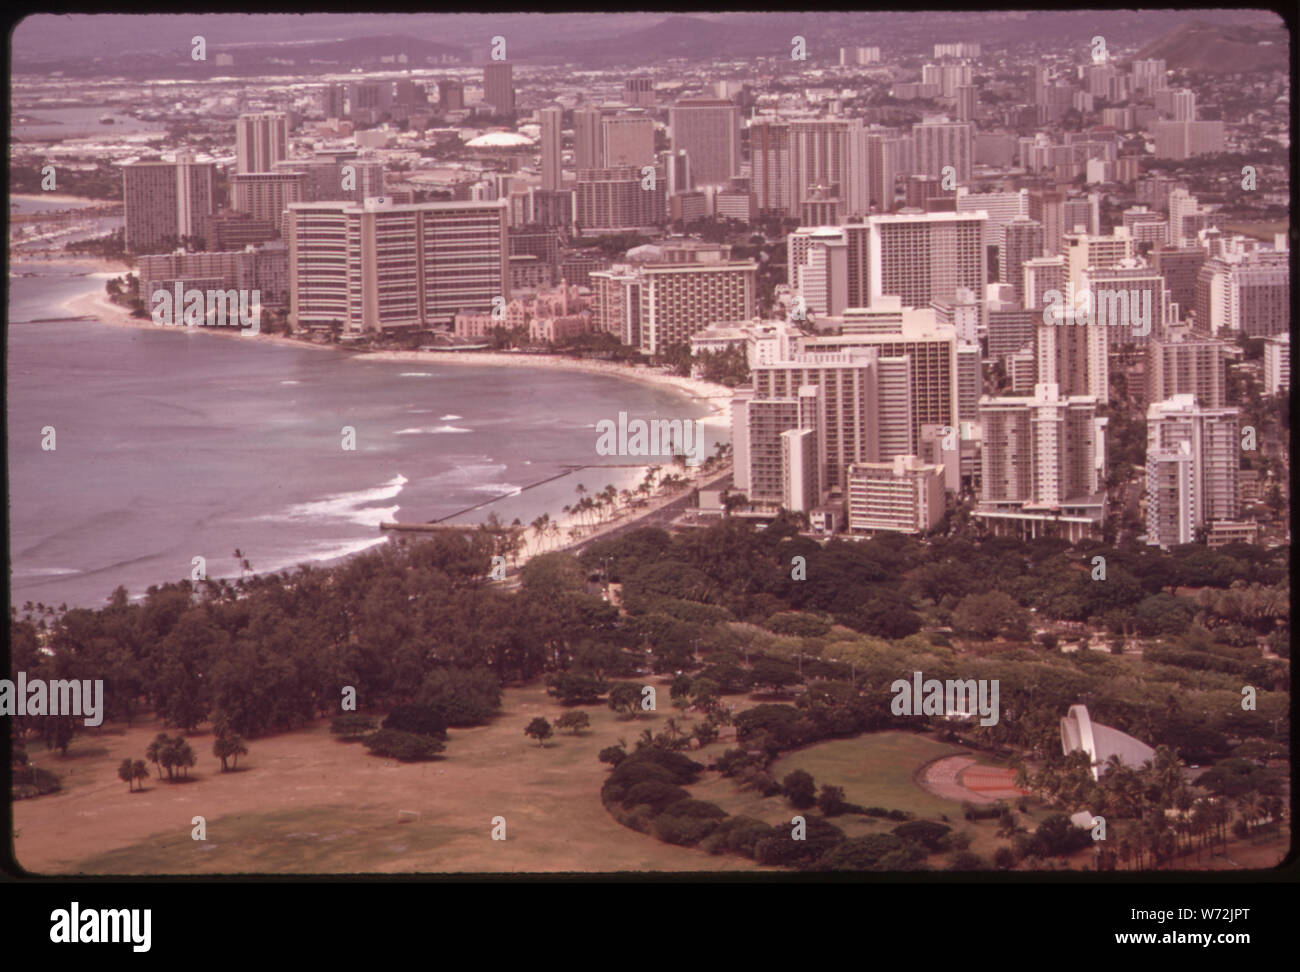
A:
x: 715, y: 397
x: 59, y: 197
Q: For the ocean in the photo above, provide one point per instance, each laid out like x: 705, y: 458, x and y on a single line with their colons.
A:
x: 172, y: 444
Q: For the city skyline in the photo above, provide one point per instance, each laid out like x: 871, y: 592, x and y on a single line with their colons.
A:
x: 651, y: 443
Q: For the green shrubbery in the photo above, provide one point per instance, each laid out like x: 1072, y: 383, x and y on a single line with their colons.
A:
x: 405, y: 746
x: 422, y: 720
x: 352, y: 725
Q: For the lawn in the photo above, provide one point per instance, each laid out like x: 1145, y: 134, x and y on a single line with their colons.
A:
x: 303, y: 802
x: 875, y: 770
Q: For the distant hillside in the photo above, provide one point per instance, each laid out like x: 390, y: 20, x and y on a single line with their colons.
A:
x: 358, y: 51
x: 678, y: 36
x: 737, y: 36
x: 267, y: 58
x: 1222, y: 48
x: 135, y: 46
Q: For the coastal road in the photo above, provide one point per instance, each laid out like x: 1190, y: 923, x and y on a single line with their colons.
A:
x: 660, y: 516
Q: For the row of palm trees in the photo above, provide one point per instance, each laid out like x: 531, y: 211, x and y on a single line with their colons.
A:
x: 1255, y: 605
x: 1199, y: 823
x: 1159, y: 816
x: 175, y: 754
x: 593, y: 509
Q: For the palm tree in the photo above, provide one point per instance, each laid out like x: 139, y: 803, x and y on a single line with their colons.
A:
x: 1168, y: 843
x: 1200, y: 825
x: 1167, y: 772
x: 140, y: 771
x: 1220, y: 815
x: 1273, y: 807
x: 1183, y: 828
x: 1184, y: 800
x: 1017, y: 763
x: 155, y: 750
x: 1251, y: 805
x: 126, y: 772
x: 516, y: 540
x: 227, y: 746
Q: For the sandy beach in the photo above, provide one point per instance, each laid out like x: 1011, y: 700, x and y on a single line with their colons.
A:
x: 113, y: 268
x: 58, y: 197
x: 98, y: 306
x: 716, y: 397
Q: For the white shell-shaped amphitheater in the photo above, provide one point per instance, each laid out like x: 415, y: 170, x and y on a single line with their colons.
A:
x: 1079, y: 732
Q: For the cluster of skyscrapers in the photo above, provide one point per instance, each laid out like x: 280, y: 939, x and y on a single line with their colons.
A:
x: 928, y: 263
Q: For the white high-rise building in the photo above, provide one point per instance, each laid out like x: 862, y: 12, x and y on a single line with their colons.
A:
x: 847, y: 419
x: 587, y: 152
x: 1185, y: 362
x: 680, y: 300
x: 895, y: 422
x: 1169, y: 491
x: 1043, y: 465
x: 1130, y: 299
x: 1042, y: 274
x: 858, y: 56
x: 779, y: 468
x: 1184, y: 102
x: 261, y: 140
x: 1022, y: 241
x: 1073, y: 357
x: 949, y: 77
x: 1211, y: 439
x: 376, y: 266
x: 894, y: 332
x: 959, y: 49
x: 1150, y: 75
x: 1277, y: 364
x: 627, y: 140
x: 920, y: 257
x: 1245, y: 292
x: 902, y: 495
x: 166, y: 203
x: 1182, y: 204
x: 795, y: 161
x: 552, y: 141
x: 709, y: 130
x: 943, y: 143
x: 822, y: 278
x: 1179, y: 140
x: 1084, y: 251
x: 1001, y: 207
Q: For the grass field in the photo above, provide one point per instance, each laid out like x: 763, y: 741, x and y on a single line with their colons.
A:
x: 307, y: 803
x: 303, y: 803
x: 875, y: 770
